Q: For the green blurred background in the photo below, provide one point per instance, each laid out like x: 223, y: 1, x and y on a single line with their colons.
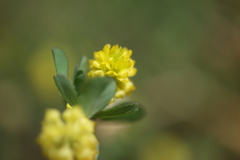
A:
x: 188, y: 60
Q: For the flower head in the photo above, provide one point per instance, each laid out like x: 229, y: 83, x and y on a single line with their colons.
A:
x: 114, y: 62
x: 68, y: 136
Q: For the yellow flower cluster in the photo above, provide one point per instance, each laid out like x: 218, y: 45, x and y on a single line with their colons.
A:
x: 114, y: 62
x: 68, y: 136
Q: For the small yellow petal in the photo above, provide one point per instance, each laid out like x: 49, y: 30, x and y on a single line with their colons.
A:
x: 84, y: 154
x: 110, y: 60
x: 91, y: 64
x: 114, y: 47
x: 69, y: 115
x: 108, y: 65
x: 132, y: 72
x: 122, y: 59
x: 68, y: 106
x: 133, y: 63
x: 52, y: 115
x: 118, y: 65
x: 96, y: 64
x: 129, y: 87
x: 99, y: 73
x: 129, y: 53
x: 96, y: 55
x: 124, y: 80
x: 91, y: 73
x: 111, y: 74
x: 106, y: 48
x: 120, y: 94
x: 123, y: 73
x: 99, y: 56
x: 128, y: 64
x: 87, y: 125
x: 64, y: 153
x: 125, y: 51
x: 113, y: 51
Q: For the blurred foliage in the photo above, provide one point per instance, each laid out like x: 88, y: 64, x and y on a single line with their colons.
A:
x: 187, y: 54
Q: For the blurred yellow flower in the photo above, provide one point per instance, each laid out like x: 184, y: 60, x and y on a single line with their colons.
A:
x: 68, y: 136
x: 114, y: 62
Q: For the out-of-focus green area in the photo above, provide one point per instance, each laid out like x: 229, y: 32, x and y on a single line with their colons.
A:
x: 188, y: 59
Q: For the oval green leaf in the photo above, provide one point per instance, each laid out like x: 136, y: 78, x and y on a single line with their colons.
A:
x: 83, y: 64
x: 61, y: 61
x: 79, y: 81
x: 96, y: 94
x: 126, y: 111
x: 66, y: 89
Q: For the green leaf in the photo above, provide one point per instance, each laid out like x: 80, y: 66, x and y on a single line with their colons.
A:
x: 80, y: 72
x: 79, y: 81
x: 75, y: 73
x: 66, y: 89
x: 96, y: 94
x: 126, y: 111
x: 61, y: 61
x: 83, y: 64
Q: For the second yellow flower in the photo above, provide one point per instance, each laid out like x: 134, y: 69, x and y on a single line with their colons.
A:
x: 114, y: 62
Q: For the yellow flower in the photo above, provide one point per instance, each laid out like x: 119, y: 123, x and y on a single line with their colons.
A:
x: 68, y: 136
x: 114, y: 62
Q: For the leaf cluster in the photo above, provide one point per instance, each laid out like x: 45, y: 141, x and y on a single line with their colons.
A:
x: 93, y: 95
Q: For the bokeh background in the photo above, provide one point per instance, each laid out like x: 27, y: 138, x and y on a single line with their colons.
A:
x: 188, y: 80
